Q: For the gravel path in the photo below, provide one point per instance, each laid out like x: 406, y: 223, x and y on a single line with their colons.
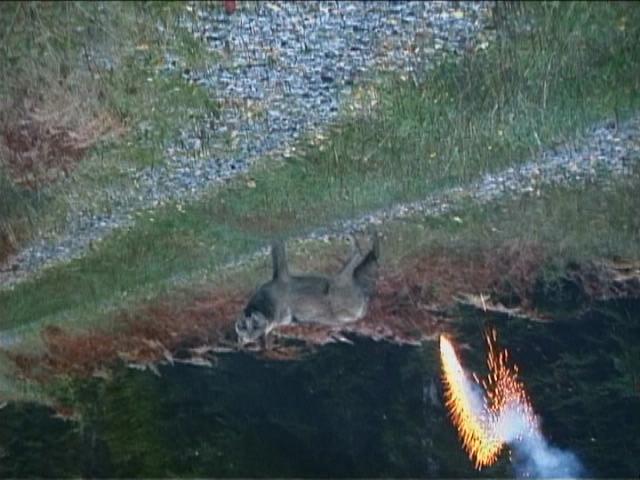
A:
x: 607, y: 153
x: 286, y: 69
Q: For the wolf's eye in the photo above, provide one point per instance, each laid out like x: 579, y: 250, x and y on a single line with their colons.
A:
x: 244, y: 323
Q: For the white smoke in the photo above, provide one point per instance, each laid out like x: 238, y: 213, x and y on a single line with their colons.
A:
x: 518, y: 427
x: 531, y: 455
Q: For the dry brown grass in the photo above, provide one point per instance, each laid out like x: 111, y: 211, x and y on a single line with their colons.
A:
x: 412, y: 304
x: 42, y: 141
x: 43, y: 138
x: 150, y: 334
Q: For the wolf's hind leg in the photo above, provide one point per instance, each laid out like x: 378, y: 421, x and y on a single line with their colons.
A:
x: 345, y: 275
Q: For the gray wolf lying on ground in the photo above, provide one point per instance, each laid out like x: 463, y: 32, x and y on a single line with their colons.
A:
x: 289, y: 299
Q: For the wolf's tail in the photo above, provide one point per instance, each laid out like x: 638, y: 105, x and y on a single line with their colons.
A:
x: 279, y: 257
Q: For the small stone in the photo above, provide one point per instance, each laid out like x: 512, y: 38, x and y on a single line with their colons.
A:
x: 325, y: 78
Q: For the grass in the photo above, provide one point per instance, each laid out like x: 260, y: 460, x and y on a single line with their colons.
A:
x: 565, y: 223
x: 569, y: 223
x: 489, y: 111
x: 527, y: 91
x: 90, y: 72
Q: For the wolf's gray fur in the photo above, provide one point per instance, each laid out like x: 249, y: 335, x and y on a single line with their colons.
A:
x: 335, y: 300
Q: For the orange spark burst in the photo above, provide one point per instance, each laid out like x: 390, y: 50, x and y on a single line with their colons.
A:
x: 481, y: 419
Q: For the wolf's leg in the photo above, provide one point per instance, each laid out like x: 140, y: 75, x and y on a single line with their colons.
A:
x: 365, y: 273
x: 355, y: 257
x: 346, y: 272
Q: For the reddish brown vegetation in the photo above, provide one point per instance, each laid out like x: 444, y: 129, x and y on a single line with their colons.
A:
x: 411, y: 305
x: 604, y: 281
x: 7, y: 246
x: 154, y: 333
x: 515, y: 265
x: 40, y: 145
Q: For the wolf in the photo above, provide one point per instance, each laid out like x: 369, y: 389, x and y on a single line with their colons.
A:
x: 297, y: 299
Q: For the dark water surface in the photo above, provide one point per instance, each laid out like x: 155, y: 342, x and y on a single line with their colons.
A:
x: 367, y: 410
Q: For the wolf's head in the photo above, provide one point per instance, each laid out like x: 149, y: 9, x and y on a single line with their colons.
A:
x: 250, y: 327
x: 265, y: 309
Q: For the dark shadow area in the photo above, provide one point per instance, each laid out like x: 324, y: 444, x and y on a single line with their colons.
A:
x: 372, y: 409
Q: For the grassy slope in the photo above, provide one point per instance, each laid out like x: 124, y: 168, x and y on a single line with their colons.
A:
x: 95, y: 62
x: 578, y: 65
x: 576, y: 223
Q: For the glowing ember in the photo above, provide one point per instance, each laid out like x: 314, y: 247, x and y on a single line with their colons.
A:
x: 487, y: 413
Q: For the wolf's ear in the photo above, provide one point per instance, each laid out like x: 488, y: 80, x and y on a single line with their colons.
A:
x: 279, y: 258
x: 241, y: 327
x: 375, y: 241
x: 366, y: 273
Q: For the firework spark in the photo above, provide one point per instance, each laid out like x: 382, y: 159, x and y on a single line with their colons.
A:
x: 470, y: 416
x: 494, y: 412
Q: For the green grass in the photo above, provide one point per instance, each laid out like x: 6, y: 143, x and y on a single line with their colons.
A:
x: 126, y: 265
x: 570, y: 223
x: 486, y: 113
x: 94, y: 62
x: 491, y: 110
